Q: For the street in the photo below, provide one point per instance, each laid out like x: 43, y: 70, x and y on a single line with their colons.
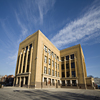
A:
x: 16, y: 93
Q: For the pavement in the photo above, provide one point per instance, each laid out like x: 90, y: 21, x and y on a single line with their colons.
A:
x: 18, y: 93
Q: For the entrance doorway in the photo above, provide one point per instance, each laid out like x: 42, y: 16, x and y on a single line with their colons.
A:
x: 22, y: 82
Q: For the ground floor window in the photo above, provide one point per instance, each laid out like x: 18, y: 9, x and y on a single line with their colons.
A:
x: 45, y: 81
x: 59, y: 82
x: 49, y: 81
x: 26, y: 80
x: 53, y: 83
x: 18, y: 80
x: 73, y: 82
x: 63, y: 83
x: 68, y: 82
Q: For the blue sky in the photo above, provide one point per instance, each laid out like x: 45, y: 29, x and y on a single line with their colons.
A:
x: 64, y: 22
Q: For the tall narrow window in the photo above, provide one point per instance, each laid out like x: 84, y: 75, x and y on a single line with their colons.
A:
x: 72, y: 56
x: 67, y: 66
x: 68, y: 74
x: 49, y: 71
x: 45, y: 59
x: 45, y: 70
x: 55, y: 73
x: 72, y: 65
x: 49, y: 51
x: 73, y: 74
x: 45, y: 48
x: 52, y: 72
x: 67, y: 57
x: 52, y: 63
x: 62, y: 58
x: 58, y: 66
x: 63, y: 74
x: 62, y: 66
x: 26, y: 80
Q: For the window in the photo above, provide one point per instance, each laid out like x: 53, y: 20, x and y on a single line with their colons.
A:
x: 30, y: 46
x: 63, y: 74
x: 57, y: 58
x: 45, y: 81
x: 53, y: 82
x: 27, y: 68
x: 68, y: 82
x: 67, y: 57
x: 73, y: 74
x: 45, y: 70
x: 52, y: 72
x: 59, y: 82
x: 45, y: 48
x: 68, y: 75
x: 62, y: 66
x: 26, y: 80
x: 63, y: 83
x: 58, y: 74
x: 49, y: 61
x: 73, y: 82
x: 18, y: 80
x: 55, y: 73
x: 49, y: 71
x: 72, y: 65
x: 58, y: 66
x: 72, y: 56
x: 62, y: 58
x: 49, y: 51
x: 55, y: 65
x: 45, y: 59
x: 52, y: 63
x: 67, y: 66
x: 52, y: 54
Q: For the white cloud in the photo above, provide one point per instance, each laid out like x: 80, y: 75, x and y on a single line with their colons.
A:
x: 83, y: 28
x: 44, y: 6
x: 30, y: 14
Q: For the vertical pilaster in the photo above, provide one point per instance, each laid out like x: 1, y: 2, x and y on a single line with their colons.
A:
x: 16, y: 80
x: 22, y: 62
x: 65, y: 82
x: 19, y: 62
x: 77, y: 83
x: 26, y: 60
x: 29, y: 80
x: 75, y: 66
x: 71, y: 82
x: 24, y: 81
x: 20, y: 82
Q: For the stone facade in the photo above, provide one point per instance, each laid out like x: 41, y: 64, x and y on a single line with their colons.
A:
x: 41, y: 65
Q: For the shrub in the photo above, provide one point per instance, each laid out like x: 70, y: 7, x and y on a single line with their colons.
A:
x: 0, y: 85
